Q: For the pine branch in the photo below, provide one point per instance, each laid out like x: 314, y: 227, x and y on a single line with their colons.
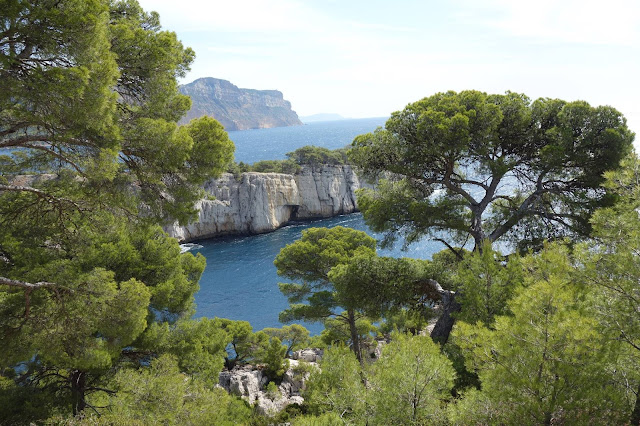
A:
x: 26, y: 285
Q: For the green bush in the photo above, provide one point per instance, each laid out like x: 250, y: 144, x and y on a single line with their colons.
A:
x: 275, y: 166
x: 316, y: 156
x: 274, y: 359
x: 272, y: 391
x: 306, y: 156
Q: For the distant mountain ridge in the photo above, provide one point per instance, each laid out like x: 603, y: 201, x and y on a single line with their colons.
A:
x: 236, y: 108
x: 322, y: 117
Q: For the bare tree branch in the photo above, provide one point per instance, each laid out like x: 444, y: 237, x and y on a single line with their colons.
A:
x: 26, y: 285
x: 456, y: 252
x: 14, y: 128
x: 515, y: 217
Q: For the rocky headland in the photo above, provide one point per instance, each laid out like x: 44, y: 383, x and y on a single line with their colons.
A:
x: 236, y: 108
x: 255, y: 203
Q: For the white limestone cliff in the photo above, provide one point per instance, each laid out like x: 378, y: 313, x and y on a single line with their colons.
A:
x: 326, y: 191
x: 255, y: 203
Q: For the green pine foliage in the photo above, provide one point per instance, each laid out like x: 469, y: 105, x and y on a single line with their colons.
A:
x: 549, y: 361
x: 409, y: 383
x: 312, y: 156
x: 489, y: 167
x: 485, y: 282
x: 611, y: 270
x: 295, y: 336
x: 96, y: 300
x: 162, y: 394
x: 318, y: 156
x: 273, y: 357
x: 88, y: 95
x: 310, y: 260
x: 337, y: 387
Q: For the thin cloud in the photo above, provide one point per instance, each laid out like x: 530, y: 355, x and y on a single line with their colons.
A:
x: 254, y: 51
x: 232, y: 16
x: 382, y: 27
x: 614, y: 22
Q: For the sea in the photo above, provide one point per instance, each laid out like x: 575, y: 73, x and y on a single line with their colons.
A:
x: 275, y: 143
x: 240, y: 281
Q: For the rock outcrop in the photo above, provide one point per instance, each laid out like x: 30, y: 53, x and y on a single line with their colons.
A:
x: 255, y: 203
x: 249, y: 382
x: 326, y: 191
x: 238, y: 109
x: 308, y: 355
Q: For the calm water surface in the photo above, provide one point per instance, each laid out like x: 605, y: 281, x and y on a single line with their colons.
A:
x: 273, y: 144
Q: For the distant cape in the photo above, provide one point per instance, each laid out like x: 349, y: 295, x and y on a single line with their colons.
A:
x: 322, y: 117
x: 238, y: 109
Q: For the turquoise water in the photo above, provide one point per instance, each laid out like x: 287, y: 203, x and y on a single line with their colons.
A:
x: 240, y: 281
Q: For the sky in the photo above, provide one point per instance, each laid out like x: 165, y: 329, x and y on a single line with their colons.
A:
x: 369, y: 58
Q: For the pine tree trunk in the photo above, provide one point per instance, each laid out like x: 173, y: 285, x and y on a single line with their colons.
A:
x: 444, y: 325
x: 355, y: 339
x: 78, y: 386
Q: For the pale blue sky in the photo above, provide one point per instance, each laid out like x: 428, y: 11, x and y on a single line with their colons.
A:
x: 368, y: 58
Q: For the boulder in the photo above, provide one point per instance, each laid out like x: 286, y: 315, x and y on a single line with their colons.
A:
x: 244, y: 381
x: 308, y: 355
x: 250, y: 383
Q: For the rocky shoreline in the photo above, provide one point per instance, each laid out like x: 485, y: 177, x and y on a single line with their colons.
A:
x: 255, y: 203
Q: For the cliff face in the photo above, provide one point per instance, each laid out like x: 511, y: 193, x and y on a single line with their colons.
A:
x: 238, y: 109
x: 326, y: 191
x: 262, y: 202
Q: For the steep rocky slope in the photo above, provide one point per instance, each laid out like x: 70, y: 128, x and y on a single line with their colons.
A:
x: 238, y: 109
x: 256, y: 203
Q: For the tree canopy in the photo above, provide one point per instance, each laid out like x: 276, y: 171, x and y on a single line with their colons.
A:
x: 612, y: 270
x: 317, y: 156
x: 405, y: 386
x: 311, y: 260
x: 549, y: 361
x: 95, y: 299
x: 90, y: 88
x: 488, y: 167
x: 92, y: 161
x: 472, y: 166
